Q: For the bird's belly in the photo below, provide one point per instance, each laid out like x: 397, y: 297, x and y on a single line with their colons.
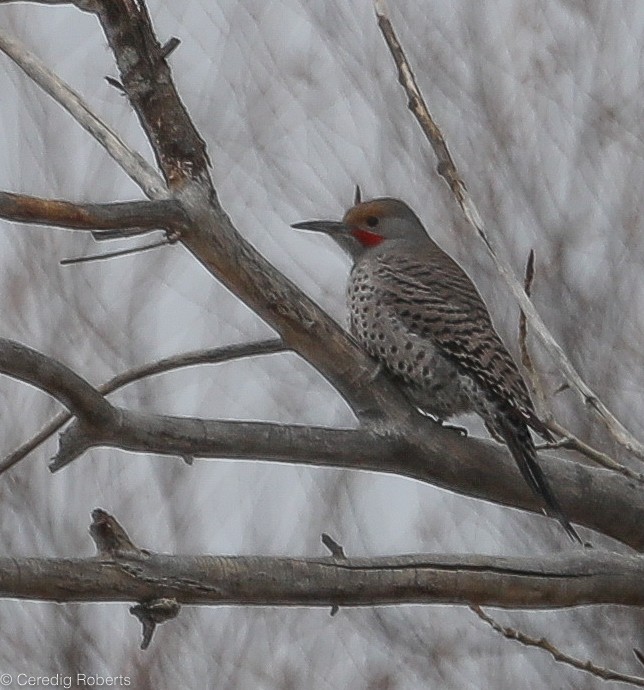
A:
x: 432, y: 382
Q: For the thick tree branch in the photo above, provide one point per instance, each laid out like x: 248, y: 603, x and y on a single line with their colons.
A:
x: 211, y: 237
x: 217, y: 355
x: 124, y: 572
x: 598, y: 499
x: 422, y: 450
x: 145, y: 216
x: 447, y: 169
x: 546, y: 582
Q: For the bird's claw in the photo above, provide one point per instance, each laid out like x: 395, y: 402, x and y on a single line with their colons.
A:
x: 460, y: 430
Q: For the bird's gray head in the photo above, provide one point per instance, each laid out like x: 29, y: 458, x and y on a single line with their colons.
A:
x: 373, y: 222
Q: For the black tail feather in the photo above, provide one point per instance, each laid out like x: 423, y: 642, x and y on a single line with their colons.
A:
x: 517, y: 437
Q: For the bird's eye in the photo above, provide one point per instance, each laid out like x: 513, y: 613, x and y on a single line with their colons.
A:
x: 372, y: 221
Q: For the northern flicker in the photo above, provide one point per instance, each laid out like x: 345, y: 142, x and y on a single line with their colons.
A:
x: 416, y: 311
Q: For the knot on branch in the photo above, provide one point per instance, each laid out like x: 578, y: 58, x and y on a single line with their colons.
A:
x: 152, y: 613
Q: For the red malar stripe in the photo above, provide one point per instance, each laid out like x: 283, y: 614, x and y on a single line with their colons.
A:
x: 366, y: 238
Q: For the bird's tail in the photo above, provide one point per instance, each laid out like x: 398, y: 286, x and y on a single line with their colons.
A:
x: 516, y: 435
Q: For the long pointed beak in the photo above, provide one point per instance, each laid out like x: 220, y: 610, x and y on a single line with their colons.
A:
x: 330, y: 227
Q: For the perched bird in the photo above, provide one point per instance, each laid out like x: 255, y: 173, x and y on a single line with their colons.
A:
x: 416, y: 311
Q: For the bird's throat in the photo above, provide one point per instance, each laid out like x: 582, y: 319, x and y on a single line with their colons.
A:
x: 367, y: 238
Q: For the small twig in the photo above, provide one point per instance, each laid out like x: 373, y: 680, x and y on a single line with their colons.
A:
x: 447, y: 169
x: 639, y: 656
x: 571, y: 442
x: 336, y: 551
x: 136, y: 167
x: 116, y: 84
x: 526, y: 358
x: 170, y: 46
x: 113, y: 543
x: 110, y: 538
x: 558, y: 655
x: 113, y: 255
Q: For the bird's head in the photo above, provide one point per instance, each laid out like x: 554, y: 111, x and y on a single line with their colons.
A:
x: 373, y: 222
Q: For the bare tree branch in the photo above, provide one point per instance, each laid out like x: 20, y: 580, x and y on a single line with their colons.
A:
x: 423, y: 450
x: 447, y: 169
x: 144, y: 216
x: 214, y: 241
x: 23, y: 363
x: 526, y: 357
x: 598, y: 499
x: 124, y: 572
x: 546, y: 582
x: 136, y: 167
x: 211, y: 237
x: 571, y: 442
x: 568, y: 439
x: 541, y: 643
x: 215, y: 355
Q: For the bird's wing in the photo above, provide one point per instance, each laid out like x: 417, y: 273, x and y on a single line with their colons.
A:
x: 431, y: 296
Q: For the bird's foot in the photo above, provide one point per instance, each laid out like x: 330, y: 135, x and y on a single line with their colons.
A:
x: 460, y: 430
x: 376, y: 372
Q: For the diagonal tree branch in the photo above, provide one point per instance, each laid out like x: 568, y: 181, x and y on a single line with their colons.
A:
x: 32, y: 367
x: 447, y: 169
x: 211, y: 237
x: 557, y: 654
x: 136, y: 167
x: 567, y: 438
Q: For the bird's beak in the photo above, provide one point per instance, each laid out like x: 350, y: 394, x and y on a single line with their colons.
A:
x: 330, y: 227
